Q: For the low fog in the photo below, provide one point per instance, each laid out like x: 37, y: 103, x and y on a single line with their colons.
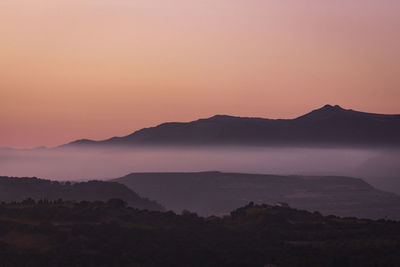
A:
x: 381, y: 168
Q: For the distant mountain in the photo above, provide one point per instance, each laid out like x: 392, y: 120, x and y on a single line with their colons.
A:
x: 18, y: 189
x: 327, y: 126
x: 217, y: 193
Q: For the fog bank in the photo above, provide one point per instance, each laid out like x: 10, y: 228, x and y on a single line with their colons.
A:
x: 90, y: 163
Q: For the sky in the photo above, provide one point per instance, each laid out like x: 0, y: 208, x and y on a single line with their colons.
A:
x: 72, y: 69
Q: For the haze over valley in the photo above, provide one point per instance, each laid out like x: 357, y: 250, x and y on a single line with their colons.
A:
x: 203, y: 133
x: 205, y: 148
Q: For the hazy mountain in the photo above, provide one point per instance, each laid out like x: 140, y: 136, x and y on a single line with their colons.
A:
x: 329, y: 125
x: 218, y: 193
x: 18, y: 189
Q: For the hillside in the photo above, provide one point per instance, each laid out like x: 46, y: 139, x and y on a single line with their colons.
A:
x: 18, y: 189
x: 217, y: 193
x: 327, y: 126
x: 104, y: 234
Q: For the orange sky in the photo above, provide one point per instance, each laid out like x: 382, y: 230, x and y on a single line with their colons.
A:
x: 74, y: 69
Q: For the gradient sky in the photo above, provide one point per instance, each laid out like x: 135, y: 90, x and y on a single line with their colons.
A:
x: 73, y: 69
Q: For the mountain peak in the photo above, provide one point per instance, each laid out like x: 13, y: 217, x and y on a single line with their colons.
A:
x: 324, y: 112
x: 328, y: 107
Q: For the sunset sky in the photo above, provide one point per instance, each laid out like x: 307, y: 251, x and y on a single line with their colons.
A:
x: 72, y: 69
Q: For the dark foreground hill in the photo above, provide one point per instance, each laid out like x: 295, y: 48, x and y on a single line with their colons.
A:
x: 327, y: 126
x: 109, y: 234
x: 218, y: 193
x: 18, y: 189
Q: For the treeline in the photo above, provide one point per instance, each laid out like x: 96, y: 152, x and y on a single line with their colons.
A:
x: 109, y: 233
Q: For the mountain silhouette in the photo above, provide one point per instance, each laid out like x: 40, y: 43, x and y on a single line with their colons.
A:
x: 326, y: 126
x: 19, y: 189
x: 208, y: 193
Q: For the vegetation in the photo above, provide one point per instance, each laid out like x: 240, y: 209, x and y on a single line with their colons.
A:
x: 58, y: 233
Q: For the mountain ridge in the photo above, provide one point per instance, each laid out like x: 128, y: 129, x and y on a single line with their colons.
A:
x: 214, y: 192
x: 20, y: 188
x: 329, y: 125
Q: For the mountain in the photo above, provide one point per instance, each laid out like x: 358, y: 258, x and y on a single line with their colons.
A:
x: 19, y: 189
x: 327, y: 126
x: 217, y: 193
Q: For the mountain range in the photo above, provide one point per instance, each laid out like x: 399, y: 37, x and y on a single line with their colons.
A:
x: 326, y: 126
